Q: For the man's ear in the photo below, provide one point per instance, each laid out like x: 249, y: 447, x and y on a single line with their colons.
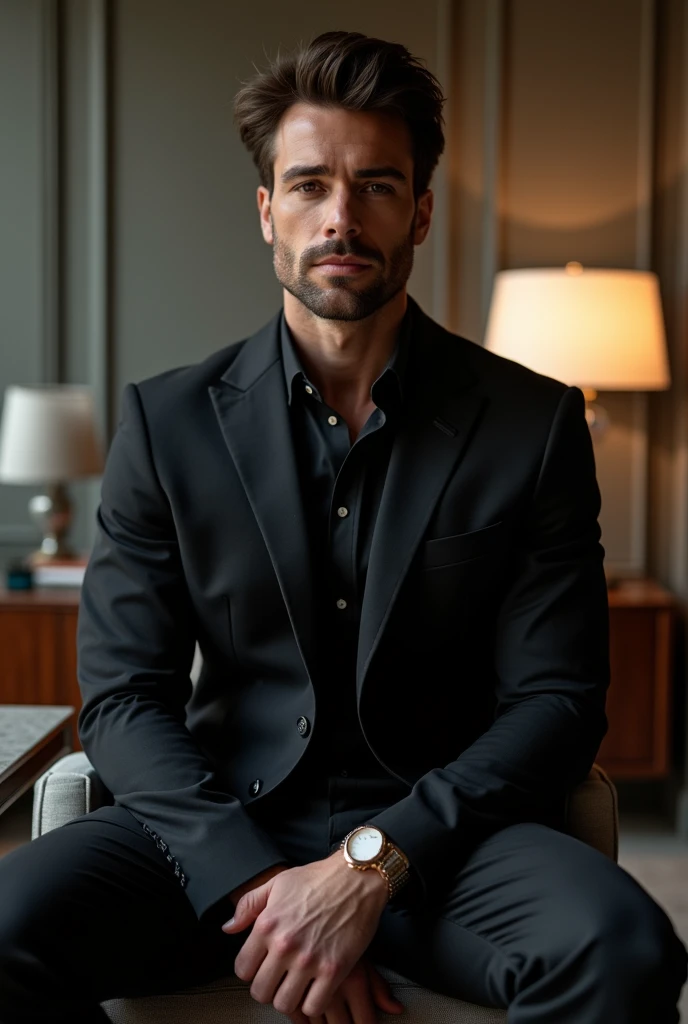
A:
x: 263, y: 198
x: 424, y: 208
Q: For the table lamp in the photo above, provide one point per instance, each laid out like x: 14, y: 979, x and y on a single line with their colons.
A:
x: 599, y: 329
x: 48, y: 436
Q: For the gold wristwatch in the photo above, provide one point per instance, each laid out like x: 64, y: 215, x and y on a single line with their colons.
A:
x: 367, y: 846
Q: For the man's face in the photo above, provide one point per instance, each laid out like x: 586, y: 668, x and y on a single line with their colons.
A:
x: 343, y: 188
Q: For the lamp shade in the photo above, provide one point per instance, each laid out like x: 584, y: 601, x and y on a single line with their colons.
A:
x: 594, y: 328
x: 48, y: 435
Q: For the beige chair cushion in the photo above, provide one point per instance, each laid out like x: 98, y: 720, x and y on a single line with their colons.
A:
x: 228, y: 1001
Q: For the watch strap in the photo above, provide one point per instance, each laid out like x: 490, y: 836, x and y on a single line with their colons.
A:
x: 394, y: 867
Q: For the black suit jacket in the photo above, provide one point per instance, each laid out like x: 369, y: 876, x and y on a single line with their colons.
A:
x: 483, y: 651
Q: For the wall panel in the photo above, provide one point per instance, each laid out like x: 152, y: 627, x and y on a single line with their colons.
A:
x: 28, y: 215
x: 552, y: 162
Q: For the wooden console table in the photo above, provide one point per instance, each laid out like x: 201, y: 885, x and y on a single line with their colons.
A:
x: 38, y: 648
x: 639, y: 700
x: 38, y: 666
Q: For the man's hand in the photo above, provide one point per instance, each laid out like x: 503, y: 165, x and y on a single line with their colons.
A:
x: 312, y: 925
x: 253, y: 883
x: 355, y: 1000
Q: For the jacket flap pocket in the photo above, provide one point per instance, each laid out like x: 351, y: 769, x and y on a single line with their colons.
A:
x: 462, y: 546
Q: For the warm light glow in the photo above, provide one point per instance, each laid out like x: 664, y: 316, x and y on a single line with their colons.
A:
x: 600, y: 329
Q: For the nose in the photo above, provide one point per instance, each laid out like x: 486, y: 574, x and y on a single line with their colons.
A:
x: 341, y: 219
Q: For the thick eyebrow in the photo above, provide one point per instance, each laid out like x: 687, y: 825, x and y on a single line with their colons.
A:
x: 314, y: 170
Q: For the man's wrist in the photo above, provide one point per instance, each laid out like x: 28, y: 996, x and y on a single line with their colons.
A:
x: 370, y: 879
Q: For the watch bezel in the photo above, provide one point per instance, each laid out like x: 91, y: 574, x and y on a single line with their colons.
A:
x: 375, y: 858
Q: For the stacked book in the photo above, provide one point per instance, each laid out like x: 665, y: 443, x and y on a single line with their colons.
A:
x: 62, y: 573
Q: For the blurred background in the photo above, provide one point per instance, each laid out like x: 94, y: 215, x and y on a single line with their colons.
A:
x: 129, y: 244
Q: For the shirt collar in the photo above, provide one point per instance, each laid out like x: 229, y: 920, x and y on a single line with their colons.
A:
x: 294, y: 372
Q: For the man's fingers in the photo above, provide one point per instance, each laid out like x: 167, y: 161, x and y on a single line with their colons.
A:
x: 381, y: 991
x: 337, y: 1012
x: 247, y: 909
x: 288, y: 995
x: 358, y: 994
x: 298, y: 1017
x: 250, y: 956
x: 321, y: 993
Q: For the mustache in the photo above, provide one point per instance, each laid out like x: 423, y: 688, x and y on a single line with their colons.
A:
x: 314, y: 255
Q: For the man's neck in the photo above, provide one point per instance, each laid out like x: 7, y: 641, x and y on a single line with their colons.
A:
x: 345, y: 358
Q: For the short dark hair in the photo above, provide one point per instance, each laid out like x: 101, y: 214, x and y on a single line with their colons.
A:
x: 351, y: 71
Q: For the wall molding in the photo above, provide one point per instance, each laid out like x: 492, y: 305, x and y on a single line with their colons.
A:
x: 98, y: 210
x: 50, y: 197
x: 643, y: 261
x: 440, y: 185
x: 646, y: 135
x: 492, y: 152
x: 99, y: 220
x: 679, y: 317
x: 47, y: 201
x: 679, y: 466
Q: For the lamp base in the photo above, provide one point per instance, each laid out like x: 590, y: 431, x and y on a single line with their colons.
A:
x: 53, y: 513
x: 596, y: 415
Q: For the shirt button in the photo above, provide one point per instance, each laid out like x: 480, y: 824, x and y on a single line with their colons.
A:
x: 303, y: 726
x: 341, y: 603
x: 332, y: 420
x: 341, y: 512
x: 309, y: 389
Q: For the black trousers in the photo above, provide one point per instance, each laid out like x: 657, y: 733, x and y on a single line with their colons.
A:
x: 534, y: 920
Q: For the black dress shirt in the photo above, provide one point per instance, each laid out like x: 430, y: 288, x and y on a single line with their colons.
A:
x: 341, y: 486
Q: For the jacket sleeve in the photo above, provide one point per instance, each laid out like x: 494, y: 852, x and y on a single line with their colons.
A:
x: 135, y: 644
x: 551, y: 662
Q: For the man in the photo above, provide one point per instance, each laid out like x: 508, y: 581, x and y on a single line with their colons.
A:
x: 385, y: 541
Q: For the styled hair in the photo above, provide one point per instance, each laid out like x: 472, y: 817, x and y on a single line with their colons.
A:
x: 351, y: 71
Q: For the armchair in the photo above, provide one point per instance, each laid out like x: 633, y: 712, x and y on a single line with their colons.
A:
x: 71, y: 788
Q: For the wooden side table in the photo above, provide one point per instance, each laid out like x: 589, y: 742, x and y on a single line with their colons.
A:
x: 639, y: 699
x: 38, y: 648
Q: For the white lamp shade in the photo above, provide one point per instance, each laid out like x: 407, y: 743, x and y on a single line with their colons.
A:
x: 48, y: 435
x: 595, y: 328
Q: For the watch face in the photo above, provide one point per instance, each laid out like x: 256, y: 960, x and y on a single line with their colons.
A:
x: 365, y: 844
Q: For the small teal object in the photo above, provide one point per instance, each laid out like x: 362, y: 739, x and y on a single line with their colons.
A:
x: 19, y: 576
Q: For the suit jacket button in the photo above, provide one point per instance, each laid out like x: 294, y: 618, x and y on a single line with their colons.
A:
x: 303, y: 726
x: 254, y: 788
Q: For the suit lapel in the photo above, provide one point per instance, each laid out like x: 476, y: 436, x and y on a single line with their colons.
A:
x: 439, y: 417
x: 251, y: 407
x: 441, y: 409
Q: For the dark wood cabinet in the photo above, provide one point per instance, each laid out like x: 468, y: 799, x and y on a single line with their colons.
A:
x: 38, y: 666
x: 38, y: 648
x: 639, y: 700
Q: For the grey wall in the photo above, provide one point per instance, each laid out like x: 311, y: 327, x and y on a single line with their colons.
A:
x: 27, y: 229
x: 130, y: 238
x: 161, y: 259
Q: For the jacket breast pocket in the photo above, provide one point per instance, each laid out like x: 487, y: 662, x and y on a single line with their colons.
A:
x: 442, y: 552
